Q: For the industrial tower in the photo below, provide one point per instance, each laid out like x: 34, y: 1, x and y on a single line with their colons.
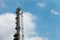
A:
x: 19, y: 35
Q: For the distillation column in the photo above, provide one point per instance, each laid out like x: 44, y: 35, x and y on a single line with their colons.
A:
x: 19, y: 35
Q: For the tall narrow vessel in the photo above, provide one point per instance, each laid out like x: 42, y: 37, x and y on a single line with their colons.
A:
x: 19, y: 35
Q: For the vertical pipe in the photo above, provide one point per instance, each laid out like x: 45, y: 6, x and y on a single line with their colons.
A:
x: 17, y: 34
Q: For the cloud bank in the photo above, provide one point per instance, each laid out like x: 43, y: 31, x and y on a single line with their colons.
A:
x: 7, y: 27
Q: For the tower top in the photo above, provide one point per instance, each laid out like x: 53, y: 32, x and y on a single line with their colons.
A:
x: 18, y: 10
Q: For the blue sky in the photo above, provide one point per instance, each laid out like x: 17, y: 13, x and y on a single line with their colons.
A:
x: 47, y: 12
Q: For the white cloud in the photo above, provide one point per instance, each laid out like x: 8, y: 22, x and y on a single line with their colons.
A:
x: 7, y: 25
x: 36, y: 38
x: 55, y: 12
x: 41, y: 4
